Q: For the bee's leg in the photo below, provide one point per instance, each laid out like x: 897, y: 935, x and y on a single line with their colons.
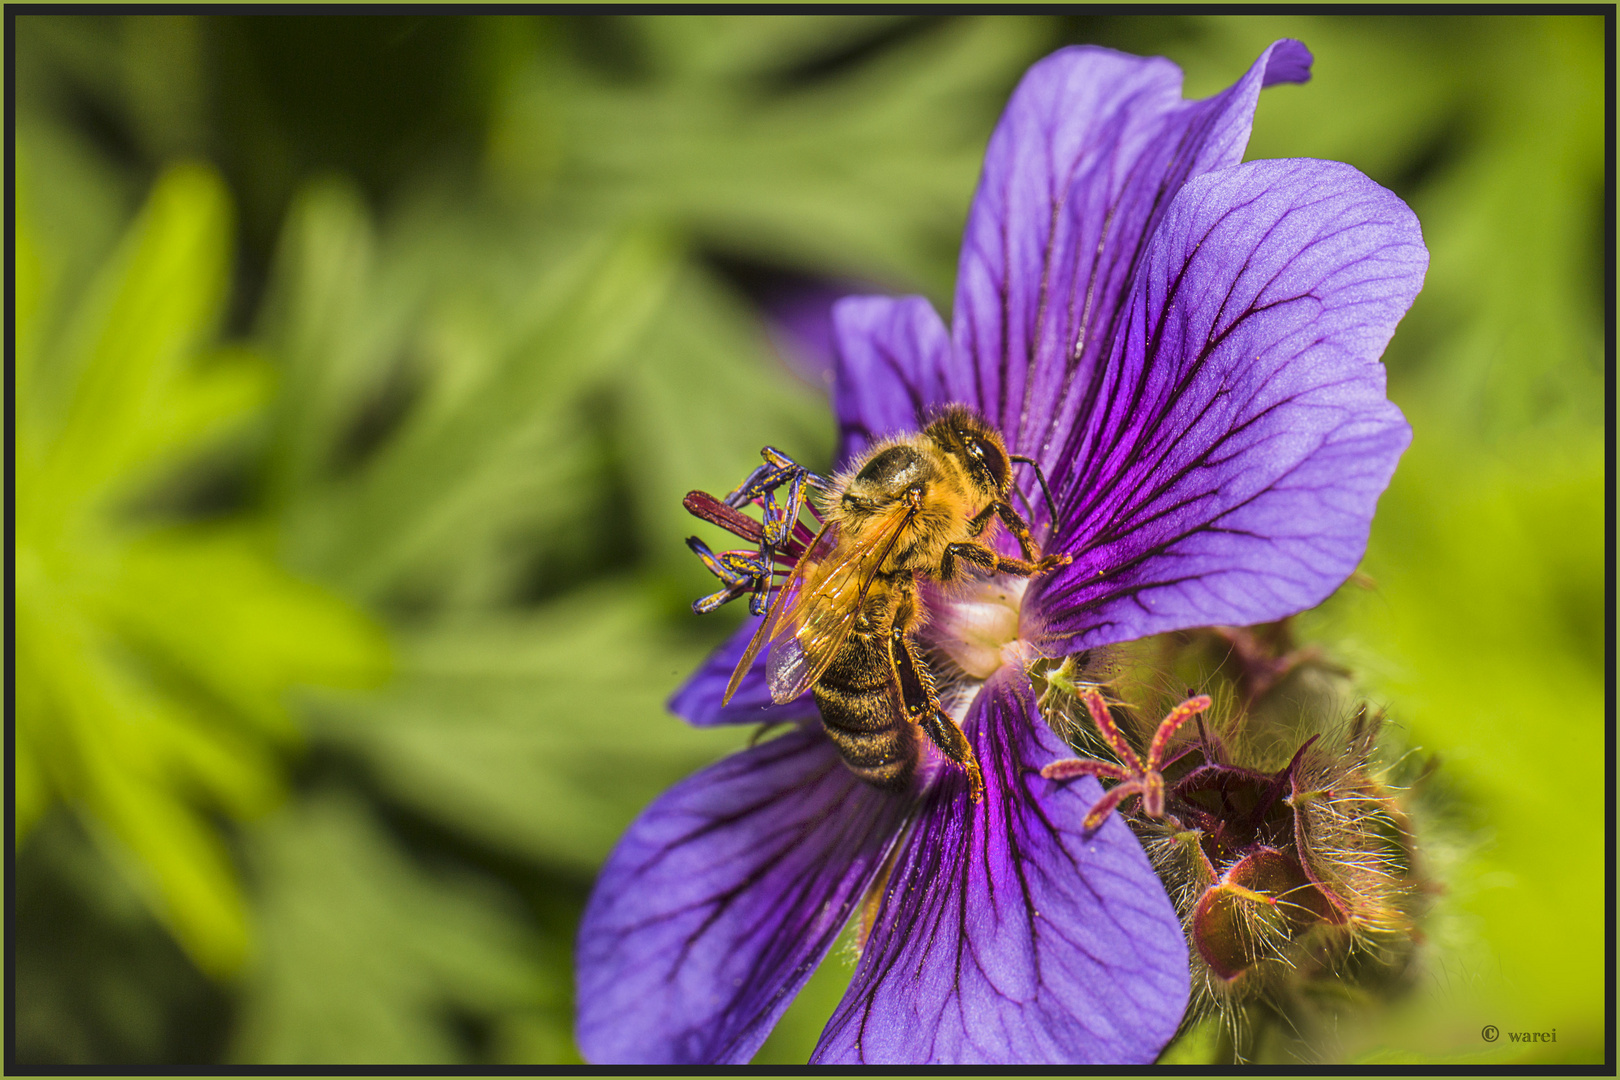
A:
x: 1040, y: 476
x: 921, y: 704
x: 1018, y: 527
x: 981, y: 556
x: 943, y: 733
x: 1032, y: 563
x: 978, y: 521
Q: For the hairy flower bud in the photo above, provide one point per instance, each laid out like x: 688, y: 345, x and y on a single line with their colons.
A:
x: 1281, y: 838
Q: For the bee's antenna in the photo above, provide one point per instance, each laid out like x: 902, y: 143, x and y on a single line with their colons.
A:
x: 1051, y: 507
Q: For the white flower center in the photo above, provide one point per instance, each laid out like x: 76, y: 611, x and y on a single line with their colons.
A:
x: 977, y: 625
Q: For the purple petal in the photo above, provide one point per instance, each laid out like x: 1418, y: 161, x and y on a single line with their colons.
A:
x: 1091, y: 149
x: 1233, y: 448
x: 892, y: 355
x: 698, y: 700
x: 1008, y: 936
x: 721, y: 900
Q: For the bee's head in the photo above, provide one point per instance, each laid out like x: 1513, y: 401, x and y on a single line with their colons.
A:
x: 964, y: 435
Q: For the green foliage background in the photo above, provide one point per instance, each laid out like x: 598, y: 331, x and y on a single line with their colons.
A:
x: 362, y: 363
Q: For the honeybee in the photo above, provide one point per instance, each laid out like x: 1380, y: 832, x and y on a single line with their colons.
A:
x: 841, y: 626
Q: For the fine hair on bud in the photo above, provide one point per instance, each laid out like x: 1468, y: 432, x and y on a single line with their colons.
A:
x: 1289, y: 853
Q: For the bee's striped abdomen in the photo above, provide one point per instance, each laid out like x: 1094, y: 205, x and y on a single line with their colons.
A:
x: 859, y: 710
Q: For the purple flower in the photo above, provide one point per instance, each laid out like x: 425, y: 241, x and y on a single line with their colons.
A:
x: 1189, y: 346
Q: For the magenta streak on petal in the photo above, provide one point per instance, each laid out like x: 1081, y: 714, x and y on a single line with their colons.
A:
x: 722, y: 898
x: 1231, y: 452
x: 1007, y: 935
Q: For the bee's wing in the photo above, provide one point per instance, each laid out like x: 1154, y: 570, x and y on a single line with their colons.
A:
x: 819, y: 613
x: 820, y: 548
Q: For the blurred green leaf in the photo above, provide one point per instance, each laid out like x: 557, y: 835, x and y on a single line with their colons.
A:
x: 1514, y: 229
x: 153, y: 659
x: 499, y: 374
x: 707, y: 48
x: 70, y: 211
x: 1381, y: 95
x: 164, y: 74
x: 103, y: 981
x: 130, y: 354
x: 865, y: 174
x: 366, y: 959
x: 331, y: 343
x: 540, y: 734
x: 698, y: 400
x: 488, y: 442
x: 1197, y: 1046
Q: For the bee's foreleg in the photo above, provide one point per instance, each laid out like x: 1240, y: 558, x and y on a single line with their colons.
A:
x: 1040, y: 476
x: 1015, y: 521
x: 1019, y: 528
x: 1015, y: 524
x: 983, y: 557
x: 921, y: 704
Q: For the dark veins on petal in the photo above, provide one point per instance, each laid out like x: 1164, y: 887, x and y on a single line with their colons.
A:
x: 892, y: 353
x: 1006, y: 934
x: 721, y: 900
x: 1081, y: 170
x: 1229, y: 454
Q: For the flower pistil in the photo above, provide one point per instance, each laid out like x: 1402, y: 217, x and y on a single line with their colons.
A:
x: 1135, y: 777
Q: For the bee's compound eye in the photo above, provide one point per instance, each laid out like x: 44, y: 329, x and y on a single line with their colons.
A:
x: 991, y: 456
